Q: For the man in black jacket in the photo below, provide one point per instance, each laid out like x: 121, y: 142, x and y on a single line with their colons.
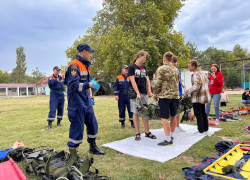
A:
x: 246, y: 97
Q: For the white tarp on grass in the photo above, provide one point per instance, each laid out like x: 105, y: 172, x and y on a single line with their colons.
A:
x: 147, y: 148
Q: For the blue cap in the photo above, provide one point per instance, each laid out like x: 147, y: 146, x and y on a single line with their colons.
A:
x: 57, y: 68
x: 85, y: 47
x: 124, y: 66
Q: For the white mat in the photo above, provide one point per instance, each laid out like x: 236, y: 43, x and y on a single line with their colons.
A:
x: 147, y: 148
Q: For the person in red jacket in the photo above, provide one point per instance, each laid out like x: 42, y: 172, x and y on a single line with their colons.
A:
x: 216, y: 80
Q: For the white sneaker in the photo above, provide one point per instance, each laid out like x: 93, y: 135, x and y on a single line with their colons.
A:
x: 176, y: 130
x: 207, y: 133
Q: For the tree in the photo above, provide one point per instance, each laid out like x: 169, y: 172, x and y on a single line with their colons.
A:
x: 5, y: 76
x: 124, y: 27
x: 18, y: 73
x: 239, y: 52
x: 194, y: 53
x: 37, y: 77
x: 233, y: 79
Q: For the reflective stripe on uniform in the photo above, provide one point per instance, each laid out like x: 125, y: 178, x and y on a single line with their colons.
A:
x: 131, y: 119
x: 75, y: 141
x: 80, y: 87
x: 91, y: 136
x: 121, y: 80
x: 122, y: 118
x: 84, y: 73
x: 51, y: 118
x: 59, y: 116
x: 116, y: 91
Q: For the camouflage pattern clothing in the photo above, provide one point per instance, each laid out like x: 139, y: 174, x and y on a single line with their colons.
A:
x: 166, y: 82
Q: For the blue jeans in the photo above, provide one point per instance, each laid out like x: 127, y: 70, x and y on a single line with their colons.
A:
x: 245, y: 101
x: 216, y: 98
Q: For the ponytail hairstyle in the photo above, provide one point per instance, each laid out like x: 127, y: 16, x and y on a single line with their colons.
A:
x: 140, y: 53
x: 217, y: 67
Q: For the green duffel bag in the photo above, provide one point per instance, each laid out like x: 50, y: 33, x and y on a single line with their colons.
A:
x: 155, y: 112
x: 144, y: 111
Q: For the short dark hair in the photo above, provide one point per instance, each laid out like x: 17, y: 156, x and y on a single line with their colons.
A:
x: 175, y: 59
x: 168, y: 56
x: 193, y: 63
x: 246, y: 88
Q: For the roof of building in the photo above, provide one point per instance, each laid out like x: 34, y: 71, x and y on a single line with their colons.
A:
x: 16, y: 85
x: 246, y: 66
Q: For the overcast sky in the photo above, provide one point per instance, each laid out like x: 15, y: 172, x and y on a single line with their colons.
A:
x: 45, y: 28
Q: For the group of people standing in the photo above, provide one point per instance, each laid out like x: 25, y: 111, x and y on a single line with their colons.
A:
x: 167, y: 89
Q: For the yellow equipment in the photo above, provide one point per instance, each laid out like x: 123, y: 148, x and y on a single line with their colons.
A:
x: 230, y: 158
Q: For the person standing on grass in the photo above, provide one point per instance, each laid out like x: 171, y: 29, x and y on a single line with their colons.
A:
x: 80, y: 109
x: 165, y: 89
x: 56, y: 101
x: 181, y: 85
x: 140, y: 82
x: 199, y: 96
x: 121, y: 95
x: 216, y: 80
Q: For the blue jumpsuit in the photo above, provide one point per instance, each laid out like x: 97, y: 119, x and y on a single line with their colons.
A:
x: 121, y: 89
x: 80, y: 109
x: 56, y: 98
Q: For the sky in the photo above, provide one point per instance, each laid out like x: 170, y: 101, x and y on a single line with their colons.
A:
x: 46, y: 28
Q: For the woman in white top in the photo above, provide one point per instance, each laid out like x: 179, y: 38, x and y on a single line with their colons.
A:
x: 224, y: 98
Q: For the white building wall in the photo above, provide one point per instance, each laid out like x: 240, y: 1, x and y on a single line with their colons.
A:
x: 186, y: 77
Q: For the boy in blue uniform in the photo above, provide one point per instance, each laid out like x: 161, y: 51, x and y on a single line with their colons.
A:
x: 181, y: 85
x: 80, y: 109
x: 121, y: 95
x: 56, y: 97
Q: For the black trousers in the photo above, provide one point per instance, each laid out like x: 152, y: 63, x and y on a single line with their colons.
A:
x: 223, y: 103
x: 201, y: 116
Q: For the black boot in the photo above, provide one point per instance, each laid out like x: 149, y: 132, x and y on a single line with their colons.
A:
x: 49, y: 125
x: 132, y: 124
x: 59, y: 123
x: 93, y: 149
x: 122, y: 125
x: 80, y: 160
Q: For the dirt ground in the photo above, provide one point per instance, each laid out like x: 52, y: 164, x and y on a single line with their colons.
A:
x: 236, y: 91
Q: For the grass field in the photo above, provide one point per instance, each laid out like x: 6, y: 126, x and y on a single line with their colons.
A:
x: 25, y: 119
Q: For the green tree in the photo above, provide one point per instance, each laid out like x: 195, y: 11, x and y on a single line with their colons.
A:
x: 36, y: 77
x: 124, y: 27
x: 5, y: 76
x: 18, y: 73
x: 194, y: 52
x: 233, y: 79
x: 240, y: 52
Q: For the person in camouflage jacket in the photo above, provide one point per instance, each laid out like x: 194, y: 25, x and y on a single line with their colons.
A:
x: 166, y: 89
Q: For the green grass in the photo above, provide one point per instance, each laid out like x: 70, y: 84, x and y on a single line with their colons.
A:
x: 25, y: 119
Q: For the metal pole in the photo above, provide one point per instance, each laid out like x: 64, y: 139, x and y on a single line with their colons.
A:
x: 244, y: 74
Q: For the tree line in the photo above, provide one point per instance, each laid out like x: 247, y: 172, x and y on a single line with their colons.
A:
x: 233, y: 77
x: 124, y: 27
x: 18, y: 74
